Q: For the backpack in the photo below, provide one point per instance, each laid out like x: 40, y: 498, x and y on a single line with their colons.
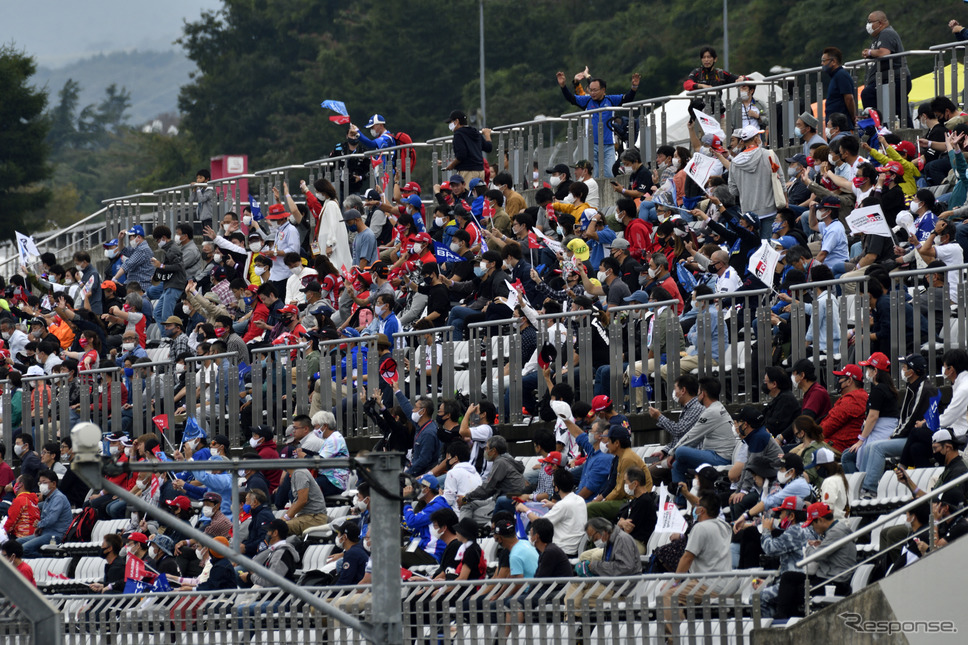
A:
x: 404, y: 139
x: 82, y: 526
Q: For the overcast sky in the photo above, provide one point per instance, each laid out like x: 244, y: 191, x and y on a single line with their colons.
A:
x: 58, y: 32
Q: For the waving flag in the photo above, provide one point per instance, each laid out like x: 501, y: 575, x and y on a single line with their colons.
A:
x: 342, y: 116
x: 444, y: 254
x: 193, y: 430
x: 257, y: 215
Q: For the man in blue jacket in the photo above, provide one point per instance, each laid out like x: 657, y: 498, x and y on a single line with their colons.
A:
x: 426, y: 446
x: 431, y: 547
x: 597, y: 98
x: 258, y: 525
x: 55, y: 515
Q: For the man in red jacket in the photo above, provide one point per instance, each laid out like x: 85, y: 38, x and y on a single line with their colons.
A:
x: 263, y: 440
x: 638, y: 233
x: 842, y: 425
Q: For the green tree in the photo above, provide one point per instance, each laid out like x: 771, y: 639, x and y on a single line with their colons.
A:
x: 23, y: 146
x: 63, y: 118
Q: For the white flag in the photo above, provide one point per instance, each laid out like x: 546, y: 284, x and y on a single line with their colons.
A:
x: 670, y: 520
x: 699, y: 168
x: 709, y: 125
x: 763, y: 262
x: 513, y: 297
x: 870, y: 220
x: 553, y: 245
x: 27, y: 248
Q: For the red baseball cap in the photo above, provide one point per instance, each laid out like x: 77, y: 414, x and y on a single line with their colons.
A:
x: 892, y: 166
x: 815, y: 510
x: 289, y: 309
x: 445, y: 186
x: 135, y: 536
x: 277, y: 211
x: 877, y: 360
x: 411, y: 187
x: 791, y: 503
x: 852, y: 371
x: 553, y: 457
x: 907, y: 148
x: 181, y: 502
x: 601, y: 402
x: 422, y: 237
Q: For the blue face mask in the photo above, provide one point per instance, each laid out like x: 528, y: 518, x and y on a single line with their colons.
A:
x: 247, y: 301
x: 695, y: 514
x: 777, y: 227
x: 797, y: 133
x: 128, y: 371
x: 478, y: 271
x: 246, y: 508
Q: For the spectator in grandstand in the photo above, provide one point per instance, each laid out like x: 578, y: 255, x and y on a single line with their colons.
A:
x: 221, y: 574
x: 833, y: 235
x: 833, y: 490
x: 946, y: 446
x: 949, y: 526
x: 638, y: 517
x: 789, y: 475
x: 161, y: 555
x: 113, y: 581
x: 598, y: 461
x: 597, y: 98
x: 728, y: 279
x: 23, y: 512
x: 907, y: 435
x: 468, y: 145
x: 261, y: 516
x: 462, y: 477
x: 285, y: 239
x: 830, y: 569
x: 137, y: 264
x: 816, y: 399
x: 840, y: 95
x: 170, y: 271
x: 203, y: 195
x: 14, y: 552
x: 417, y: 519
x: 827, y: 313
x: 806, y: 130
x: 87, y: 273
x: 613, y: 496
x: 747, y: 111
x: 281, y: 557
x: 685, y: 392
x: 55, y: 515
x: 308, y: 507
x: 708, y: 311
x: 707, y: 75
x: 568, y: 514
x: 842, y: 425
x: 30, y: 463
x: 750, y: 178
x: 505, y: 480
x: 882, y: 413
x: 263, y: 441
x: 710, y: 440
x: 942, y: 245
x: 885, y: 42
x: 783, y: 408
x: 788, y: 546
x: 707, y: 551
x: 808, y: 438
x: 757, y: 442
x: 619, y: 553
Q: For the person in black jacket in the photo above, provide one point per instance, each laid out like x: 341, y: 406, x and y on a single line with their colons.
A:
x: 114, y: 571
x: 468, y: 145
x: 161, y: 555
x: 222, y: 574
x: 261, y: 516
x: 918, y: 398
x: 783, y: 407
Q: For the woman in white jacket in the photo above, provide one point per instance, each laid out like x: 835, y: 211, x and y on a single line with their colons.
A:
x: 330, y: 233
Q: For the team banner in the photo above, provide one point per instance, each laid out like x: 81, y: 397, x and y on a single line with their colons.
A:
x: 869, y: 220
x: 763, y: 262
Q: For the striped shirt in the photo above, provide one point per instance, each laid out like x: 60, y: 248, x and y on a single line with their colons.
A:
x: 138, y: 265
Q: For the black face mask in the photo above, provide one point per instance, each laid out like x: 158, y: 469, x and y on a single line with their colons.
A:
x: 105, y: 553
x: 765, y: 388
x: 822, y: 471
x: 939, y: 458
x: 440, y: 420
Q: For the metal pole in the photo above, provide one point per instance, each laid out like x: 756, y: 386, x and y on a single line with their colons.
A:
x: 236, y: 525
x: 483, y: 100
x: 725, y: 36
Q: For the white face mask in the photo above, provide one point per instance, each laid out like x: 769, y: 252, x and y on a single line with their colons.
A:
x: 439, y: 221
x: 360, y: 505
x: 783, y: 476
x: 254, y: 442
x: 259, y: 270
x: 483, y: 266
x: 915, y: 206
x: 651, y: 273
x: 247, y: 219
x: 379, y: 310
x: 187, y: 310
x: 603, y: 446
x: 554, y: 181
x: 127, y: 346
x: 114, y: 450
x: 374, y: 133
x: 44, y: 489
x: 830, y: 160
x: 743, y: 96
x: 675, y: 395
x: 162, y: 244
x: 870, y: 28
x: 295, y: 270
x: 827, y: 133
x: 128, y: 451
x: 791, y: 171
x: 217, y: 258
x: 199, y: 553
x: 255, y: 247
x: 599, y: 544
x: 18, y: 449
x: 80, y: 269
x: 796, y: 381
x: 415, y: 416
x: 208, y: 511
x: 434, y: 533
x: 417, y: 248
x: 455, y: 247
x: 629, y: 490
x: 451, y: 126
x: 111, y: 253
x: 601, y: 276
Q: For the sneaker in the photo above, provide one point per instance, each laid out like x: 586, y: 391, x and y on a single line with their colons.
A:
x: 868, y: 494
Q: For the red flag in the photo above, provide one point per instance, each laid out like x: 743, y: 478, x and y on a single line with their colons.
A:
x: 338, y: 118
x: 488, y: 210
x: 533, y: 242
x: 161, y: 422
x: 134, y: 568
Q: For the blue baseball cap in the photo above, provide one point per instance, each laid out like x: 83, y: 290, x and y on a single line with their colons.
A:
x: 110, y: 243
x: 786, y: 241
x: 376, y: 119
x: 640, y: 296
x: 474, y: 182
x: 137, y: 229
x: 429, y: 481
x: 413, y: 200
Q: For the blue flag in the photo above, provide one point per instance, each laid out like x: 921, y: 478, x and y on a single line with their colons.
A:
x: 342, y: 115
x: 256, y: 211
x: 444, y: 254
x: 932, y: 415
x: 193, y: 430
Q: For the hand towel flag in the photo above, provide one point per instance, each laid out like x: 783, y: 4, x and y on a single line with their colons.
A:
x: 341, y: 116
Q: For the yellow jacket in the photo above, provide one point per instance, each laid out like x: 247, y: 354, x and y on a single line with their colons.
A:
x: 911, y: 173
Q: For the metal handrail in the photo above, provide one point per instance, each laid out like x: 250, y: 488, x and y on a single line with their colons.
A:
x: 958, y: 44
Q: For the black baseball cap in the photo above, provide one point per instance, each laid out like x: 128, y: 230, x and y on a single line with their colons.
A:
x: 559, y: 168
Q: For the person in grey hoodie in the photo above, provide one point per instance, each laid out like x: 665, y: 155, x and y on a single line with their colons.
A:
x: 751, y: 180
x: 710, y: 440
x: 280, y: 557
x: 757, y: 442
x: 506, y: 480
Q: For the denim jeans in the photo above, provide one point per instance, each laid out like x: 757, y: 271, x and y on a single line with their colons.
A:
x: 877, y: 453
x: 529, y: 384
x: 647, y: 211
x: 165, y: 303
x: 457, y: 318
x: 609, y: 160
x: 32, y: 543
x: 687, y: 458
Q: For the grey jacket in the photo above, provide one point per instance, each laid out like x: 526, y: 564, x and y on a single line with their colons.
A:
x: 833, y: 566
x: 282, y: 559
x: 507, y: 478
x: 623, y: 559
x: 751, y: 181
x: 191, y: 259
x: 713, y: 431
x: 771, y: 452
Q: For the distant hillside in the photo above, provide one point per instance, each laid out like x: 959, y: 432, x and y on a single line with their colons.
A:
x: 152, y: 78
